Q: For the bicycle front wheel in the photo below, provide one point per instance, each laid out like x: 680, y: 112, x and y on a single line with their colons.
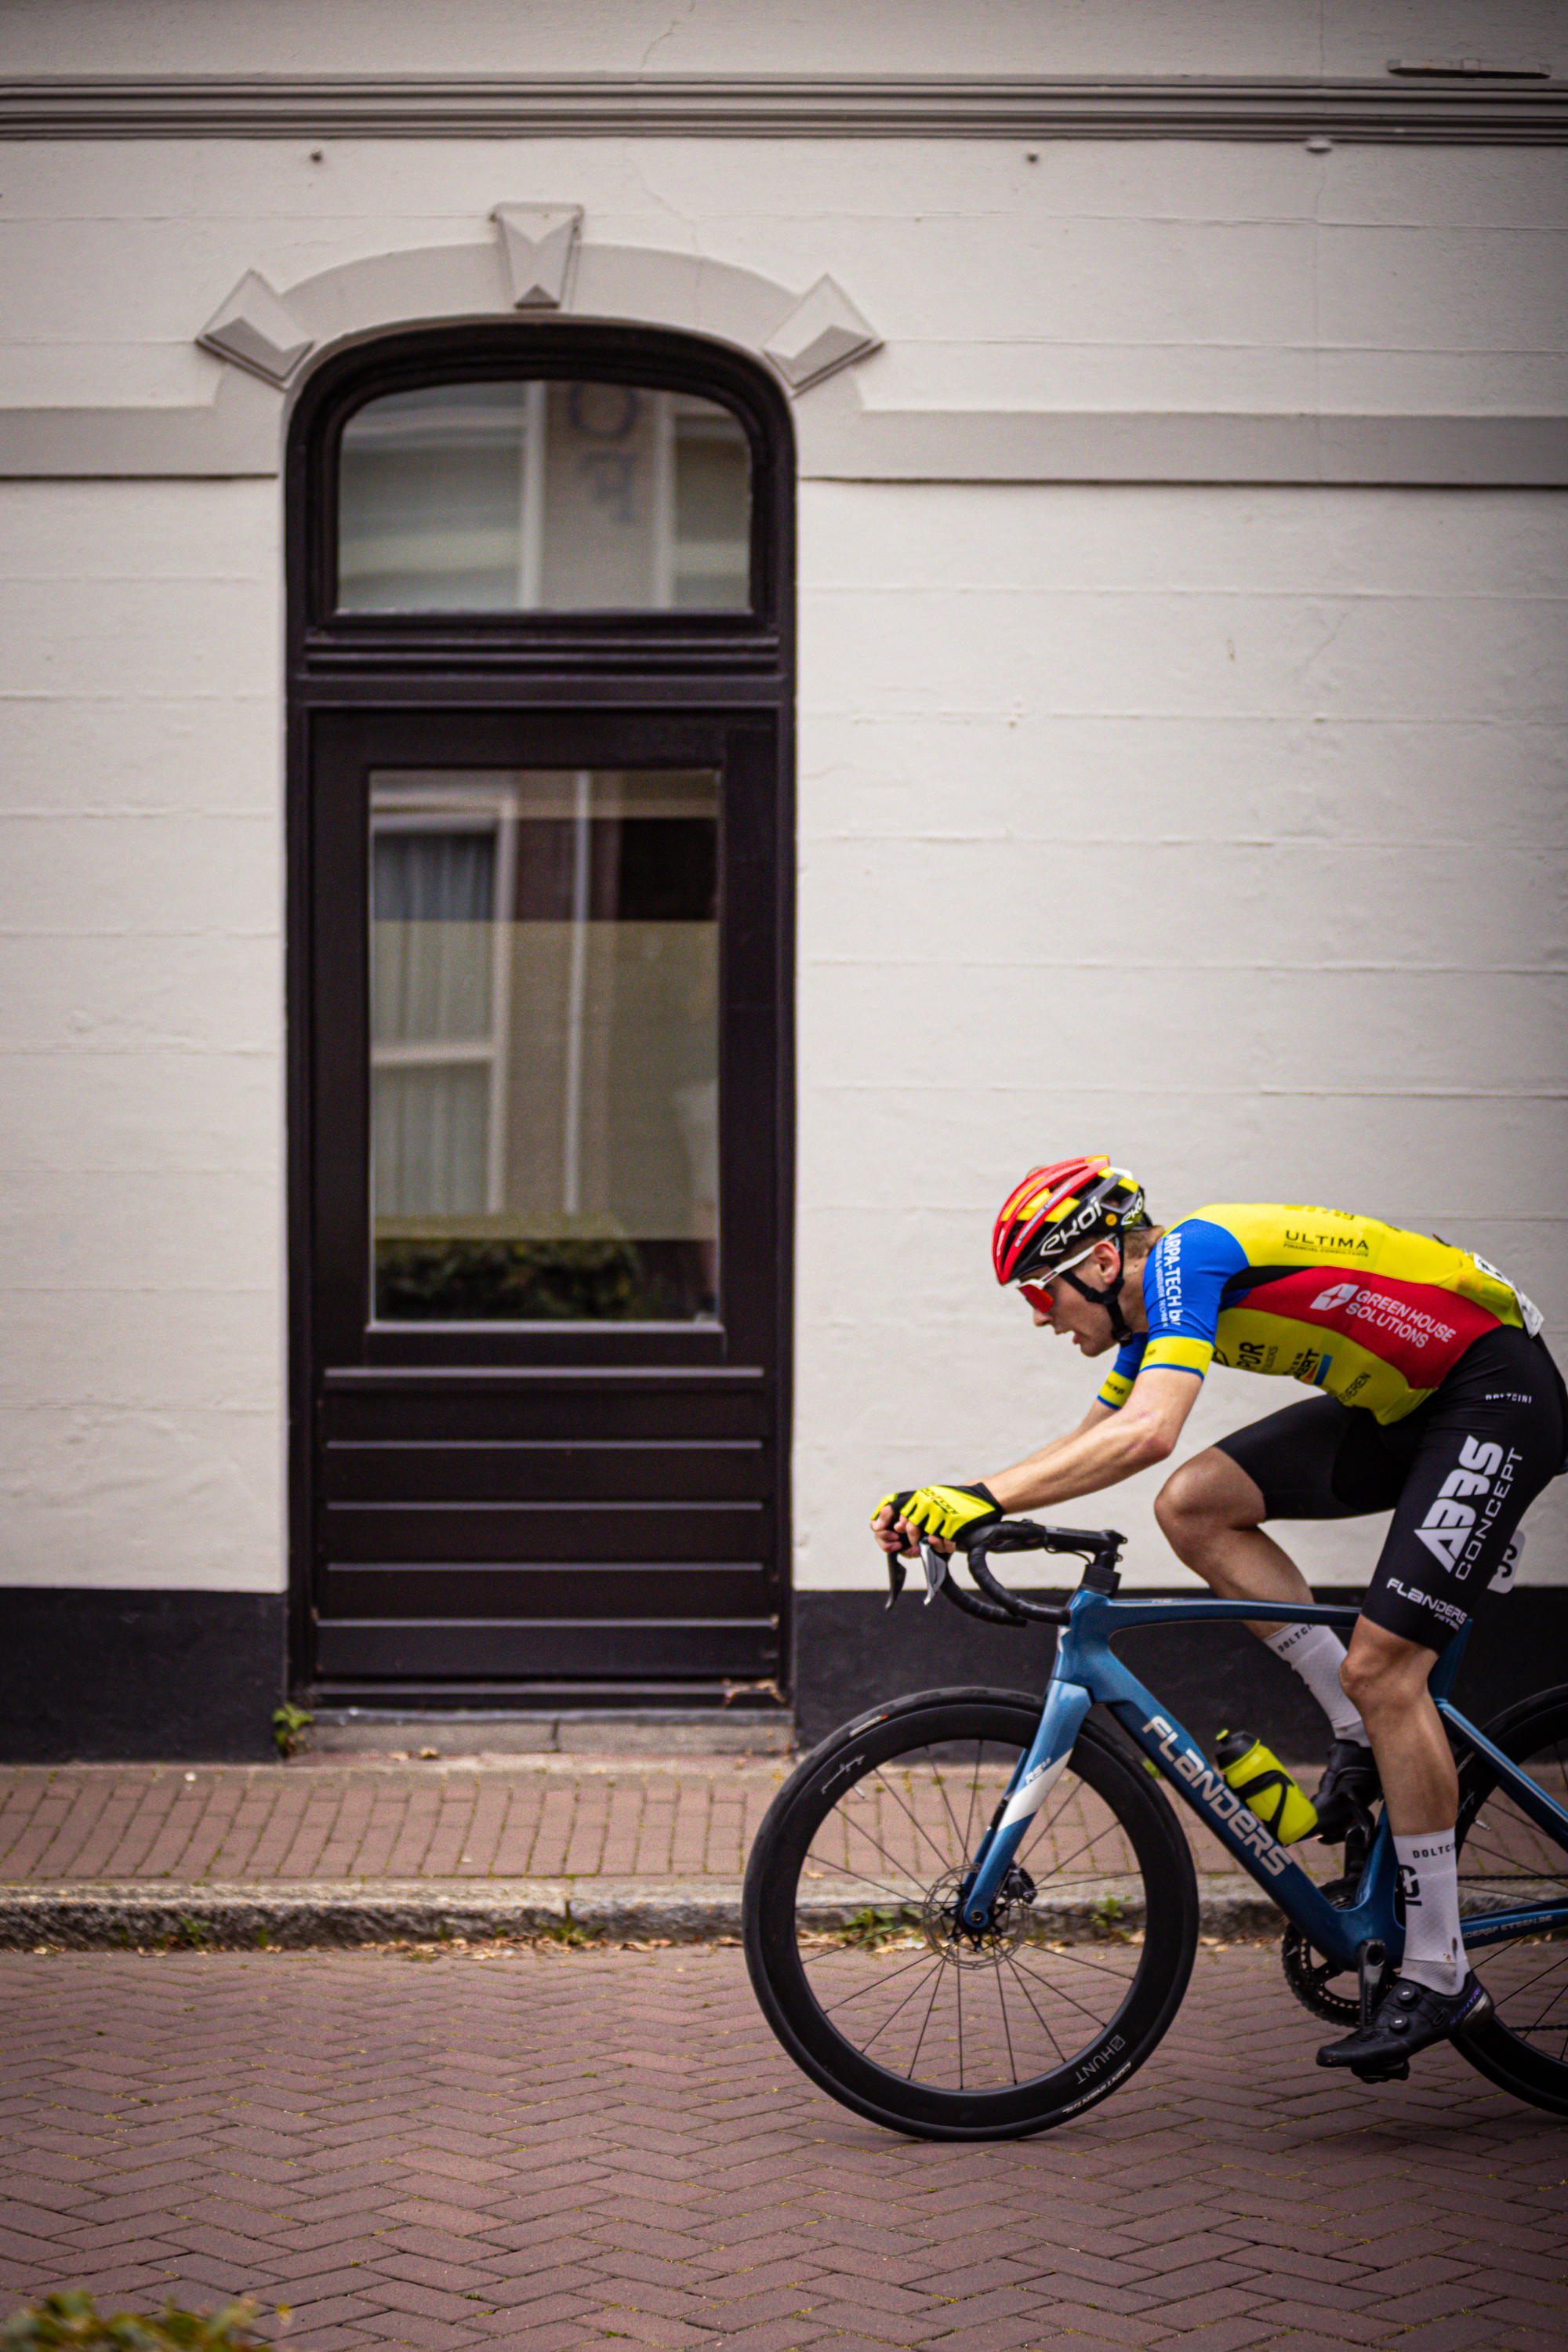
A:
x: 857, y: 1956
x: 1507, y: 1861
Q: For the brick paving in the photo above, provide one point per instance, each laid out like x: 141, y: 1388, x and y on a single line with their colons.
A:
x: 514, y: 2147
x: 326, y: 1818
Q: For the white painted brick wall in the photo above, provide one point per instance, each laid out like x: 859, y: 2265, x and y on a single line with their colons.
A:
x: 1221, y: 831
x: 140, y: 1035
x: 1054, y: 37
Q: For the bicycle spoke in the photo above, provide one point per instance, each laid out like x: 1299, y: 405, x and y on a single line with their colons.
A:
x: 973, y: 1793
x: 1007, y: 2027
x: 1028, y: 1996
x: 958, y: 1999
x: 1071, y: 1952
x: 900, y: 2008
x: 890, y: 1859
x: 915, y: 1821
x: 846, y: 1870
x: 1515, y: 1992
x: 941, y: 1786
x: 921, y: 1959
x: 910, y: 2071
x: 1062, y: 1994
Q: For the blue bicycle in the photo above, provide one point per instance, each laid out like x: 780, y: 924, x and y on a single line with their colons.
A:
x: 969, y: 1918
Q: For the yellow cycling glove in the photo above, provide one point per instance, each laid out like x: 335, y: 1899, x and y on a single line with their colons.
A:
x: 954, y: 1513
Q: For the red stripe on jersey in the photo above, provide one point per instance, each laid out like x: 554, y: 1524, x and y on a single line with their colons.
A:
x: 1418, y: 1328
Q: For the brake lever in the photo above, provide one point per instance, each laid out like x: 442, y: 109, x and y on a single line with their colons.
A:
x: 935, y: 1568
x: 896, y: 1574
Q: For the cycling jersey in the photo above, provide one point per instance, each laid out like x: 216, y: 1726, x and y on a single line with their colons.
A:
x: 1374, y: 1316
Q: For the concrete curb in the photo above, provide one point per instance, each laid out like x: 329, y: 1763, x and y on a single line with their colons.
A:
x: 304, y: 1915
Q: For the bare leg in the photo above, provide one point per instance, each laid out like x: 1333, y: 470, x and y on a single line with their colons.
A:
x: 1386, y: 1678
x: 1210, y: 1513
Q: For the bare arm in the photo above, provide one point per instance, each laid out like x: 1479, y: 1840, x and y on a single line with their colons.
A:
x: 1105, y: 1448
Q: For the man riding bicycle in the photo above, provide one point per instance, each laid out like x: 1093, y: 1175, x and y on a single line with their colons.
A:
x: 1438, y: 1400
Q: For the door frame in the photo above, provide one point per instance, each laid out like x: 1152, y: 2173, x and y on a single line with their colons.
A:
x: 682, y: 676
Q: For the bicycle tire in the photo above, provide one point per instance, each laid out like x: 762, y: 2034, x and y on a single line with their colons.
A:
x: 1503, y: 1855
x: 855, y: 1866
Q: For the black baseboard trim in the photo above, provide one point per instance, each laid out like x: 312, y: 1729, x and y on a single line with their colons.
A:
x: 97, y: 1677
x: 851, y: 1653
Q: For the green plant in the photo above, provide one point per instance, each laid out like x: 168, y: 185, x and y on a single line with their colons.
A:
x: 571, y: 1932
x: 289, y: 1725
x: 870, y: 1929
x: 70, y: 2322
x: 1109, y: 1915
x: 189, y: 1935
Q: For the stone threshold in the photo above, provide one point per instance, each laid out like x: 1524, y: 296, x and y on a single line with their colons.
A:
x: 399, y: 1736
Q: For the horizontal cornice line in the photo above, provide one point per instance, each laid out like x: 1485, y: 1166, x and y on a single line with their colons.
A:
x: 1463, y: 110
x: 1183, y: 448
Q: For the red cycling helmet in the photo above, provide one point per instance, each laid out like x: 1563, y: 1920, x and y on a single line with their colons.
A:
x: 1053, y: 1218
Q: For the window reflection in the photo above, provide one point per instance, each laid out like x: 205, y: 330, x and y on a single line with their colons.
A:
x: 544, y: 1045
x: 542, y: 495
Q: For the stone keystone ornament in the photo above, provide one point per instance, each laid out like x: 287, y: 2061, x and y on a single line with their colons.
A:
x: 824, y: 332
x: 538, y: 245
x: 257, y: 331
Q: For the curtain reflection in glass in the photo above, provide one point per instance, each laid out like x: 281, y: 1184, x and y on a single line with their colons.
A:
x: 542, y: 495
x: 544, y: 1045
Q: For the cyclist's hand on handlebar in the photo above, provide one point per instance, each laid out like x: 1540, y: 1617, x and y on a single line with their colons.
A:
x: 942, y: 1514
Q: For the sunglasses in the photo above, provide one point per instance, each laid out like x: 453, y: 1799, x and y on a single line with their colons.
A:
x: 1038, y: 1294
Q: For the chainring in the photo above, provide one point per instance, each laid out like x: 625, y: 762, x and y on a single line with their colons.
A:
x: 1307, y: 1973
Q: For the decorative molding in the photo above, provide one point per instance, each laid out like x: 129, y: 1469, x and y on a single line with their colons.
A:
x: 539, y: 244
x: 840, y: 438
x: 257, y: 331
x: 1467, y: 110
x: 850, y: 442
x: 824, y: 332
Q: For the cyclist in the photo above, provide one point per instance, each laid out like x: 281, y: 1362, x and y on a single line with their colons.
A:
x: 1438, y: 1400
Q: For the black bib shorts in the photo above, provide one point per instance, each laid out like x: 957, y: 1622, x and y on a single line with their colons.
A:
x: 1457, y: 1474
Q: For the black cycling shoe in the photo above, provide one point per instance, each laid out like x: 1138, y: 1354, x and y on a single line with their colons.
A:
x: 1408, y: 2017
x: 1348, y: 1790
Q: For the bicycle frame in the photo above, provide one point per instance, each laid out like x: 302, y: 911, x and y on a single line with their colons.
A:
x: 1087, y: 1670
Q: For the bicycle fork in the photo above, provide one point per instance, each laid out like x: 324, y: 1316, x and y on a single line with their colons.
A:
x: 1037, y: 1774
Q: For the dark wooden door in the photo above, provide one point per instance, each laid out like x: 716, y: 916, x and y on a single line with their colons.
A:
x: 562, y: 1482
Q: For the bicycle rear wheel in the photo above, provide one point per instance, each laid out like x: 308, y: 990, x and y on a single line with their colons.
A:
x: 1508, y: 1863
x: 851, y: 1931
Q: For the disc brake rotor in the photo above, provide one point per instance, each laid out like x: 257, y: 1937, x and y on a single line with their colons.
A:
x: 1003, y: 1933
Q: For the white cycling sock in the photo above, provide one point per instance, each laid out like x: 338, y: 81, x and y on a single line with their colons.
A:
x: 1429, y: 1882
x: 1316, y: 1652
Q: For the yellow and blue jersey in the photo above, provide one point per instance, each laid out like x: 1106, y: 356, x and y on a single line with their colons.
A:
x: 1369, y: 1313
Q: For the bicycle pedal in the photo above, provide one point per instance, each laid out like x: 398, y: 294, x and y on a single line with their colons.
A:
x: 1398, y: 2073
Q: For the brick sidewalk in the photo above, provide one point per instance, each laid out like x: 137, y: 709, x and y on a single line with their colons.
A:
x: 327, y: 1818
x: 555, y: 2151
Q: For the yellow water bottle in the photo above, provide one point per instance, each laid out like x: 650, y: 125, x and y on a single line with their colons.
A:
x: 1258, y: 1777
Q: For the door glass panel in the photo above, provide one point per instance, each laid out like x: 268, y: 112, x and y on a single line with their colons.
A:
x: 544, y: 1045
x: 540, y: 495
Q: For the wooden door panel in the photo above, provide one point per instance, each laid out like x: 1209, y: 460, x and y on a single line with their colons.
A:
x: 534, y: 1406
x: 535, y: 1470
x: 676, y: 1532
x: 491, y: 1649
x: 546, y: 1589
